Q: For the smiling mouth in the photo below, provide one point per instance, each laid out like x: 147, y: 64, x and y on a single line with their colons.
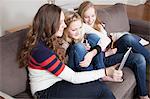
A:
x: 90, y: 23
x: 76, y: 34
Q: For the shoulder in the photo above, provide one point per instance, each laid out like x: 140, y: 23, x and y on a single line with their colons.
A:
x: 41, y: 53
x: 86, y: 26
x: 88, y: 29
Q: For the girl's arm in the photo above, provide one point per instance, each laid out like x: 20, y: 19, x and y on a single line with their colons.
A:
x: 81, y: 77
x: 103, y: 43
x: 47, y: 59
x: 88, y: 58
x: 104, y: 39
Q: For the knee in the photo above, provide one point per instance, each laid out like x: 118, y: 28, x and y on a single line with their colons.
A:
x: 94, y: 36
x: 140, y: 61
x: 128, y: 38
x: 93, y: 39
x: 79, y: 47
x: 140, y: 58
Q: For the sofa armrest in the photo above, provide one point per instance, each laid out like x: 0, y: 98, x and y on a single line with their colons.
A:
x: 139, y: 26
x: 5, y: 96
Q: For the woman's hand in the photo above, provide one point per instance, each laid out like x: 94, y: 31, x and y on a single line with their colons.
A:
x: 110, y: 70
x: 88, y: 58
x: 117, y: 75
x: 113, y: 75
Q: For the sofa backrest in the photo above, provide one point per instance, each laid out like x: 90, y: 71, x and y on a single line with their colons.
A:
x: 115, y: 18
x: 12, y: 78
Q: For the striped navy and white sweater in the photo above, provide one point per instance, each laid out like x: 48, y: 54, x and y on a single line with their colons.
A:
x: 45, y: 69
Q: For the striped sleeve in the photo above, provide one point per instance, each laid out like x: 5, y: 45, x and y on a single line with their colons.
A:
x: 45, y: 59
x: 53, y: 65
x: 48, y: 60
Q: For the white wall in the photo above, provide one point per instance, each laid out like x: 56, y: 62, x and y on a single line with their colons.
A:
x: 18, y: 12
x: 111, y: 2
x: 67, y: 4
x: 21, y: 12
x: 15, y: 13
x: 0, y: 19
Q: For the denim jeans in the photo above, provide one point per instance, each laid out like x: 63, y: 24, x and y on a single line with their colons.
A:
x: 136, y: 62
x: 67, y: 90
x: 77, y: 52
x: 130, y: 40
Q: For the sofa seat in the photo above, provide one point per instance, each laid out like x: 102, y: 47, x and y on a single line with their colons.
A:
x: 23, y: 95
x: 125, y: 89
x: 122, y: 90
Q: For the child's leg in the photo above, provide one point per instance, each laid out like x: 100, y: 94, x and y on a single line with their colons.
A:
x: 129, y: 40
x: 98, y: 59
x: 136, y: 62
x: 76, y: 54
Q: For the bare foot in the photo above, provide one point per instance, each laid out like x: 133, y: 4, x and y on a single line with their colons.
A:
x: 110, y: 52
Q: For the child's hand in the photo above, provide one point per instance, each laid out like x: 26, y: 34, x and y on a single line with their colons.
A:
x: 87, y: 60
x: 87, y: 45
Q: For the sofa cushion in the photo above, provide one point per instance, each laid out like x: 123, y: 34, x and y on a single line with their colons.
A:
x: 12, y: 78
x: 115, y: 18
x: 140, y: 27
x: 125, y: 89
x: 23, y: 95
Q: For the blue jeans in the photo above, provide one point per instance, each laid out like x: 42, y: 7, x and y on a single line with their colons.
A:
x: 136, y: 62
x: 130, y: 40
x: 77, y: 52
x: 67, y: 90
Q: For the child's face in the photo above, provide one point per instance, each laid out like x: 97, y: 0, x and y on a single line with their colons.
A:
x: 75, y: 30
x: 90, y: 16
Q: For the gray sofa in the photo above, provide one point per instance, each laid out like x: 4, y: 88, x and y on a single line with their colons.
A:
x: 14, y: 81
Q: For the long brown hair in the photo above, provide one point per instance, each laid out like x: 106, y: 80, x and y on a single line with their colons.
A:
x: 84, y: 7
x: 45, y: 24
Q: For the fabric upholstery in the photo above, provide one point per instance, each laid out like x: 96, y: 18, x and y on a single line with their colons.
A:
x: 5, y: 96
x: 23, y: 95
x: 12, y: 78
x: 115, y: 18
x: 124, y: 90
x: 141, y: 28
